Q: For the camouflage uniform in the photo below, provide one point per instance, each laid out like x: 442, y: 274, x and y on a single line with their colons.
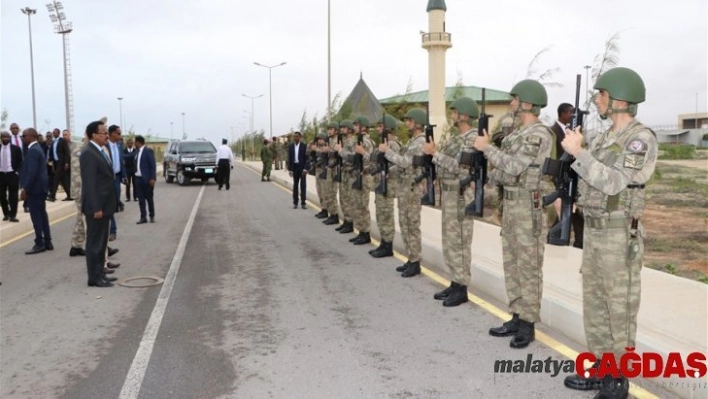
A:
x: 385, y: 220
x: 518, y: 169
x: 346, y: 200
x: 330, y: 187
x: 280, y: 150
x: 614, y: 170
x: 267, y: 163
x: 360, y: 198
x: 409, y: 195
x: 456, y: 226
x: 78, y: 236
x: 319, y: 183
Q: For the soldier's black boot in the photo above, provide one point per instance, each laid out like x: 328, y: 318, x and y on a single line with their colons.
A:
x: 440, y: 295
x: 348, y: 228
x: 510, y: 327
x: 322, y: 215
x: 341, y: 226
x: 332, y: 219
x: 613, y: 388
x: 403, y: 267
x: 364, y: 238
x: 412, y: 270
x: 526, y: 335
x: 356, y: 238
x: 581, y: 383
x: 371, y: 251
x: 457, y: 297
x: 385, y: 249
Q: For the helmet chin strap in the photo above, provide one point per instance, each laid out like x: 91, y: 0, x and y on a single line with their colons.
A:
x: 535, y: 110
x: 631, y: 110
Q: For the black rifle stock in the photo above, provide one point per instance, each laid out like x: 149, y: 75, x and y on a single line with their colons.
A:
x: 429, y: 170
x: 313, y: 158
x: 324, y: 161
x: 382, y: 188
x: 338, y: 167
x: 358, y: 165
x: 565, y: 179
x: 477, y: 164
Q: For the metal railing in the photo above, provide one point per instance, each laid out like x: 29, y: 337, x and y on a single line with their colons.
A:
x: 436, y: 37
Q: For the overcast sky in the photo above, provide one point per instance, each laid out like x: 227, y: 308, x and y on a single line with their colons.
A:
x: 168, y: 57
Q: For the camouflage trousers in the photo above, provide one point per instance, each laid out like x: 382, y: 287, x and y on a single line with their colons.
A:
x: 457, y: 235
x: 360, y: 204
x: 523, y: 225
x: 330, y: 188
x: 612, y: 264
x: 318, y: 187
x: 409, y: 208
x: 265, y: 173
x: 345, y: 197
x: 384, y: 212
x: 78, y: 236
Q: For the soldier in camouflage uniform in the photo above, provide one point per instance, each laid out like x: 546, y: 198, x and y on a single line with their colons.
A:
x: 275, y: 152
x: 456, y: 225
x: 518, y: 168
x: 281, y: 149
x: 330, y: 186
x: 362, y: 215
x: 384, y: 203
x: 319, y: 165
x: 266, y: 160
x: 613, y: 171
x: 78, y: 237
x: 346, y: 151
x: 410, y: 165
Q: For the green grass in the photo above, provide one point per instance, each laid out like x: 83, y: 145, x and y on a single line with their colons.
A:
x: 677, y: 151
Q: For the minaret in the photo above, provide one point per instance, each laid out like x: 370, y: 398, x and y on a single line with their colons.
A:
x: 436, y: 41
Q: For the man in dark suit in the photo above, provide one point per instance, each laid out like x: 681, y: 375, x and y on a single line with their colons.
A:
x: 34, y: 183
x: 115, y: 148
x: 129, y: 158
x: 98, y: 200
x: 10, y: 166
x: 565, y: 117
x: 298, y: 165
x: 145, y: 175
x: 60, y: 154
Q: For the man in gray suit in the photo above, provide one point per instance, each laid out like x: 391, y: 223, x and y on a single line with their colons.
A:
x: 98, y: 201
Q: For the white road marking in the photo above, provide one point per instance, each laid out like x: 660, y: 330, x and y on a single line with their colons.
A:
x: 136, y: 374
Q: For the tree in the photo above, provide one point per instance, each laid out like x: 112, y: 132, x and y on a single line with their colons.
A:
x: 546, y: 76
x: 603, y: 62
x: 3, y: 118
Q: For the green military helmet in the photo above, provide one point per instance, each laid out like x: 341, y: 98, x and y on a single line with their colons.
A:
x: 466, y: 106
x: 362, y: 121
x: 347, y: 123
x: 530, y: 91
x: 418, y: 116
x: 389, y: 122
x: 322, y: 135
x: 333, y: 125
x: 622, y: 84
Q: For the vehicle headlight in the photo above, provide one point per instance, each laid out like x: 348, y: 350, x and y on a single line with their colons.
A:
x: 188, y: 159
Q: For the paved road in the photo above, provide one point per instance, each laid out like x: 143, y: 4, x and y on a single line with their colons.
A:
x: 267, y: 302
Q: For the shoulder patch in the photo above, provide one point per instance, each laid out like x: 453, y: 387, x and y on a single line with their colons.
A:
x: 634, y: 161
x: 533, y: 139
x: 636, y: 146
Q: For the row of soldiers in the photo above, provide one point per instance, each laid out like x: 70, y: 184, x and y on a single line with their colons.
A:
x: 613, y: 169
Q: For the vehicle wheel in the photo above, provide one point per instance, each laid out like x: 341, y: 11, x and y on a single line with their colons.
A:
x: 182, y: 179
x: 205, y: 179
x: 168, y: 178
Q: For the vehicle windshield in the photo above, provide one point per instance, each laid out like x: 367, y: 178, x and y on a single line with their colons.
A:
x: 197, y: 148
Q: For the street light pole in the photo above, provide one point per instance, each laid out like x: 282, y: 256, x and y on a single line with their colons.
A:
x: 270, y: 89
x: 120, y: 108
x: 29, y: 12
x: 329, y: 66
x: 696, y: 124
x: 184, y: 134
x: 252, y: 109
x: 63, y: 27
x: 171, y: 130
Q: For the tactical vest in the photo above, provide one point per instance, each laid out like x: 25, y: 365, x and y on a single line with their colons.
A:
x: 348, y: 160
x: 630, y: 202
x: 522, y: 141
x: 412, y: 148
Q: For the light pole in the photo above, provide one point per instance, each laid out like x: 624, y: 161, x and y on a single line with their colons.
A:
x: 252, y: 113
x: 270, y: 89
x: 63, y: 27
x: 120, y: 109
x: 172, y: 130
x: 696, y: 124
x: 329, y: 67
x: 29, y: 12
x: 587, y: 83
x: 184, y: 133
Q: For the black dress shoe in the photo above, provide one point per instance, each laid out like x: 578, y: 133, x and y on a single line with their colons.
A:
x: 135, y: 198
x: 141, y: 221
x: 6, y: 218
x: 14, y: 220
x: 26, y: 210
x: 112, y: 251
x: 510, y: 327
x: 121, y: 207
x: 412, y: 270
x: 51, y: 199
x: 68, y: 199
x: 152, y: 220
x: 48, y: 246
x: 526, y: 335
x: 101, y: 283
x: 78, y: 252
x: 35, y: 250
x: 112, y: 265
x: 108, y: 271
x: 110, y: 279
x: 127, y: 200
x: 295, y: 206
x: 303, y: 206
x: 403, y: 267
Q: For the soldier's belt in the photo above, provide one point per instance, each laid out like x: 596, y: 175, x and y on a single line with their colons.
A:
x: 450, y: 186
x: 605, y: 223
x: 516, y: 194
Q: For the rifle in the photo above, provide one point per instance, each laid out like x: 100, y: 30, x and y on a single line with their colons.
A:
x: 338, y: 168
x: 313, y: 159
x: 477, y: 166
x: 324, y: 163
x: 566, y: 181
x: 428, y: 169
x: 382, y: 188
x: 358, y: 164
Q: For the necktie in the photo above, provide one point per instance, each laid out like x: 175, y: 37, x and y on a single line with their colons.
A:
x: 17, y: 140
x: 105, y: 155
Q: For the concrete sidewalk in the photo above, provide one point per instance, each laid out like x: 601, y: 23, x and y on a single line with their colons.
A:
x: 674, y: 311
